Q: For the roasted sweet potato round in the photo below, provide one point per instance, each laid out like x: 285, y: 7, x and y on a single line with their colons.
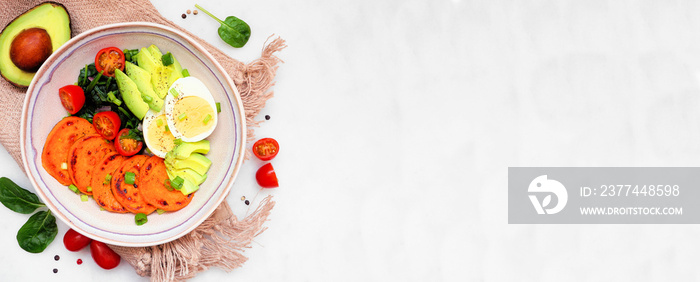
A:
x: 154, y: 190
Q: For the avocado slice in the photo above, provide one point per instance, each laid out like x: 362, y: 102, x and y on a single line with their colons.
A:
x: 196, y: 162
x: 173, y: 72
x: 130, y: 94
x: 154, y: 66
x: 187, y: 173
x: 50, y: 17
x: 185, y: 149
x: 143, y: 82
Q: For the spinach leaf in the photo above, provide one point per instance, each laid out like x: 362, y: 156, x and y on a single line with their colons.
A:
x: 38, y: 232
x: 17, y: 198
x: 233, y: 31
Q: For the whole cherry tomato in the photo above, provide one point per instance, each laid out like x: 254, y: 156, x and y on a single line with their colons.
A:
x: 75, y: 241
x: 72, y: 98
x: 127, y: 145
x: 107, y: 124
x: 266, y: 149
x: 109, y: 59
x: 266, y: 176
x: 103, y: 255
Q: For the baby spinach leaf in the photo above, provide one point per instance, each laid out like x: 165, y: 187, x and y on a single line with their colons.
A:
x: 17, y: 198
x: 38, y: 232
x: 233, y: 31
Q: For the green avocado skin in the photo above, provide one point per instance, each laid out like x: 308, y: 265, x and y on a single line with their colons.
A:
x: 49, y: 16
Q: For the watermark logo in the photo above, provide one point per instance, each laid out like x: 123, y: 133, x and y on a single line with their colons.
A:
x: 543, y: 185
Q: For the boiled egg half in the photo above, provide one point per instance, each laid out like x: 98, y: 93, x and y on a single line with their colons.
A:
x: 190, y: 110
x: 157, y: 134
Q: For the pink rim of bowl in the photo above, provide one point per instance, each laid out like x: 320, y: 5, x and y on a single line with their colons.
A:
x: 42, y: 110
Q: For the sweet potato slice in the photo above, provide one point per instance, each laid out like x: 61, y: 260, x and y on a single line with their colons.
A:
x: 84, y: 155
x: 129, y: 195
x: 101, y: 188
x: 153, y: 189
x: 58, y: 144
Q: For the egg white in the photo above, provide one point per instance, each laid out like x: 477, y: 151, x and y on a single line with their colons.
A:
x: 147, y: 120
x: 188, y: 86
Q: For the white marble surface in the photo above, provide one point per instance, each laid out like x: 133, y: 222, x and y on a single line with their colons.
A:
x: 398, y: 120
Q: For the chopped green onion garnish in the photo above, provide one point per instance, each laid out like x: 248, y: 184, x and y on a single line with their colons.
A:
x: 167, y: 129
x: 167, y: 59
x: 159, y: 211
x: 218, y: 107
x: 207, y: 119
x: 113, y: 99
x: 167, y: 185
x: 182, y: 116
x: 89, y: 189
x: 108, y: 178
x: 73, y: 188
x: 102, y: 209
x: 177, y: 182
x: 140, y: 218
x: 129, y: 177
x: 159, y: 122
x: 146, y: 98
x: 185, y: 73
x: 174, y: 92
x: 84, y: 198
x: 64, y: 165
x: 177, y: 141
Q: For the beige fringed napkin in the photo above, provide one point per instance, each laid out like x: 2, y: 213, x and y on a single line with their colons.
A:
x: 219, y: 240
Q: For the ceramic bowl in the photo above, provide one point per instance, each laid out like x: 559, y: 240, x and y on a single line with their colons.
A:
x: 42, y: 110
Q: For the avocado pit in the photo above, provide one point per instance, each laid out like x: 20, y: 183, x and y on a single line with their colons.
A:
x: 30, y: 49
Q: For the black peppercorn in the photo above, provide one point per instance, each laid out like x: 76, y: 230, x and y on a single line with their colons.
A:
x: 184, y: 16
x: 55, y: 270
x: 247, y: 202
x: 56, y: 257
x: 267, y: 117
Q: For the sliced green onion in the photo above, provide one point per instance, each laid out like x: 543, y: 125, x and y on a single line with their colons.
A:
x: 207, y: 119
x: 218, y: 107
x: 167, y: 185
x: 140, y: 218
x: 102, y: 209
x: 177, y: 141
x: 73, y: 188
x: 182, y: 116
x: 174, y: 92
x: 113, y: 99
x: 177, y: 182
x: 167, y: 59
x: 167, y: 129
x: 94, y: 82
x: 146, y: 98
x: 185, y: 73
x: 159, y: 122
x: 84, y: 198
x: 159, y: 211
x: 108, y: 178
x: 89, y: 189
x: 64, y: 165
x: 129, y: 177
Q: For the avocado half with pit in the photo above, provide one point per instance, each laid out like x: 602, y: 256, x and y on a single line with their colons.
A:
x: 30, y: 39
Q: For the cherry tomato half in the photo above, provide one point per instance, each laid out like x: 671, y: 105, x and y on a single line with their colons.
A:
x: 107, y: 124
x: 75, y: 241
x: 266, y: 149
x: 109, y: 59
x: 266, y: 176
x: 127, y: 146
x: 72, y: 98
x: 103, y: 255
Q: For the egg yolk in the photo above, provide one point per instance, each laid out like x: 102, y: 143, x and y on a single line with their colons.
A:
x: 158, y: 137
x: 192, y: 116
